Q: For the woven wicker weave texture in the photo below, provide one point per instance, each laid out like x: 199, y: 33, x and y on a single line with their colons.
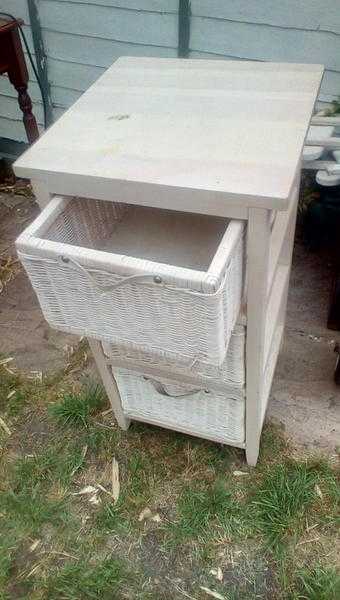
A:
x: 172, y: 308
x: 202, y: 412
x: 231, y: 374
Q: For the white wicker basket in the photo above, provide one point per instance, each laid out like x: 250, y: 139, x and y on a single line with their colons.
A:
x: 93, y: 266
x: 201, y: 412
x: 178, y: 367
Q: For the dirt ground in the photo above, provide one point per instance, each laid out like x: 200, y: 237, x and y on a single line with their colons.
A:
x: 304, y: 398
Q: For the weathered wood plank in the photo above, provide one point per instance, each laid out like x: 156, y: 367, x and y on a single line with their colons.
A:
x: 96, y: 51
x: 305, y: 14
x: 159, y: 6
x: 10, y: 109
x: 13, y: 129
x: 108, y: 23
x: 17, y: 8
x: 264, y: 43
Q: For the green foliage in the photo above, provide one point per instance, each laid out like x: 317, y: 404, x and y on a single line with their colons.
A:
x: 31, y: 509
x: 318, y: 583
x: 109, y: 517
x: 201, y: 510
x: 13, y: 393
x: 55, y: 464
x: 77, y: 409
x: 82, y: 581
x: 282, y: 498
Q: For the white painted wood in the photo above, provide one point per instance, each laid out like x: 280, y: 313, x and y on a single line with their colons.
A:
x: 275, y: 334
x: 315, y: 165
x: 320, y: 132
x: 257, y: 265
x: 41, y: 192
x: 182, y: 130
x: 311, y: 153
x: 268, y: 374
x: 109, y: 384
x: 278, y: 235
x: 331, y: 143
x: 318, y: 120
x: 273, y: 312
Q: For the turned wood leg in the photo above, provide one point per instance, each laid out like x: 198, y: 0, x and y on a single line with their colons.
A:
x: 25, y: 104
x: 18, y: 76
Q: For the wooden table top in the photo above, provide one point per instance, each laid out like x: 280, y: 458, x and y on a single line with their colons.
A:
x: 183, y: 134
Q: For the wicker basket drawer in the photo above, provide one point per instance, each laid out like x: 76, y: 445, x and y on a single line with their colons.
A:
x: 130, y: 274
x: 173, y: 366
x: 201, y: 412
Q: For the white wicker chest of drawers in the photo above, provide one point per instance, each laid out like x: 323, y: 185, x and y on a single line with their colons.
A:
x: 170, y: 391
x: 186, y: 300
x: 216, y: 138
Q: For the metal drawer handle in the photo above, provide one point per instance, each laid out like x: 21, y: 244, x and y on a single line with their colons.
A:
x: 160, y: 389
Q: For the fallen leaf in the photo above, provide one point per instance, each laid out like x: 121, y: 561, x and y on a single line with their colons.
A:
x: 240, y: 473
x: 88, y: 489
x: 156, y: 518
x: 5, y: 426
x: 145, y: 514
x: 212, y: 593
x: 217, y: 573
x: 35, y: 545
x: 95, y: 499
x: 115, y: 480
x: 106, y: 412
x: 5, y: 361
x: 318, y: 491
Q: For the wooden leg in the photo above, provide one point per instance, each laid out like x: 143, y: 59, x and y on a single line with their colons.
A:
x: 109, y: 384
x: 288, y: 244
x: 257, y: 270
x: 18, y: 76
x: 41, y: 192
x: 25, y: 104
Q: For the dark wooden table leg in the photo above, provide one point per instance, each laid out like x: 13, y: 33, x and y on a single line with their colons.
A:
x: 18, y: 76
x: 25, y: 104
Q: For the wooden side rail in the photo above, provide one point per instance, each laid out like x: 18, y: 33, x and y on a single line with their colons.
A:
x: 335, y: 121
x: 283, y: 222
x: 331, y: 143
x: 275, y: 313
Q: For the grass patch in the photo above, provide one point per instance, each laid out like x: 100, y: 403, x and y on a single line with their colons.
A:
x: 81, y: 580
x: 282, y: 499
x: 31, y: 509
x: 317, y: 583
x: 76, y: 409
x: 15, y: 392
x: 203, y: 512
x: 209, y: 515
x: 57, y: 463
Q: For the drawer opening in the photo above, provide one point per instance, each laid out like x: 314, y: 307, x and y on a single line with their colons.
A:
x: 133, y: 274
x: 174, y: 238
